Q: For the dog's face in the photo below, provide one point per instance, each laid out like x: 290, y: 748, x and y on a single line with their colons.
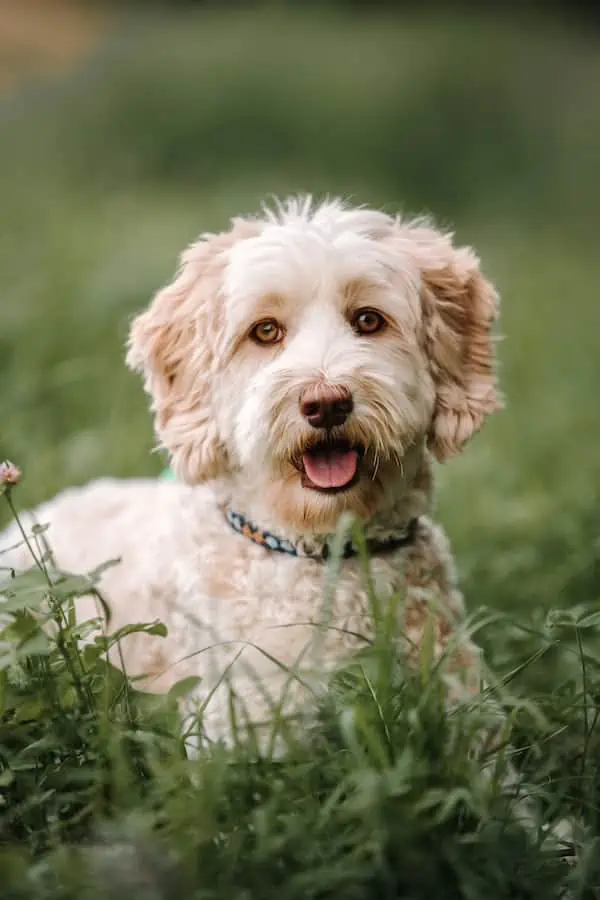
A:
x: 311, y: 351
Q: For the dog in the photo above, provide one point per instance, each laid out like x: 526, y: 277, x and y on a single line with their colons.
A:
x: 305, y: 368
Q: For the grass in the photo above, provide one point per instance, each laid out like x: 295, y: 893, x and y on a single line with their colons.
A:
x: 179, y: 121
x: 385, y: 791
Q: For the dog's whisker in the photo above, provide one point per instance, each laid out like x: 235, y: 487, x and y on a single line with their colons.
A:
x: 375, y: 467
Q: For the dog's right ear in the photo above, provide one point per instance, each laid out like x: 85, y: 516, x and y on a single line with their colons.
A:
x: 174, y: 344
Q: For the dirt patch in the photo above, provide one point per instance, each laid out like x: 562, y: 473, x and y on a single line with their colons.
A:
x: 45, y: 37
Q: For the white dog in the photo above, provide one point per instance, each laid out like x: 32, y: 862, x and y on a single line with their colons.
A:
x: 305, y: 364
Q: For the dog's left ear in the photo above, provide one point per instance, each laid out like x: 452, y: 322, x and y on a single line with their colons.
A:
x: 459, y: 308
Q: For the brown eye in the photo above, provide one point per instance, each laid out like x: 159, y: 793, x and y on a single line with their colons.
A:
x: 367, y: 321
x: 267, y: 332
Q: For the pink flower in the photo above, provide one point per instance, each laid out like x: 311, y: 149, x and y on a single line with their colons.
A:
x: 10, y: 475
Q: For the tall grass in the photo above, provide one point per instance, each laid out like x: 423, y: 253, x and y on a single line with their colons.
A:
x: 384, y: 791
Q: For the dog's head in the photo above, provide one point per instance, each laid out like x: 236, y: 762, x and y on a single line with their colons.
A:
x: 311, y: 350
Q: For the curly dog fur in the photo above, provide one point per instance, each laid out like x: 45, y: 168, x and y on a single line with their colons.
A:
x: 304, y: 301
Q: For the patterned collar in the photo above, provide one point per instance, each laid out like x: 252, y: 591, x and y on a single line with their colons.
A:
x: 321, y: 552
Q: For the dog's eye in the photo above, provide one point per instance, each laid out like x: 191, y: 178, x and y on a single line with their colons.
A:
x: 269, y: 331
x: 368, y: 321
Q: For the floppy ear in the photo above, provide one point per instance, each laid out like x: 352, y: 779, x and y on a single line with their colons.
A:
x: 174, y: 343
x: 459, y: 308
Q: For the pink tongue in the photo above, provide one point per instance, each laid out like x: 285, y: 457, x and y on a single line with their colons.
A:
x: 332, y: 469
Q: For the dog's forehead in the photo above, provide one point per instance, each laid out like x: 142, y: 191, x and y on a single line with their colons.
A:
x: 299, y: 259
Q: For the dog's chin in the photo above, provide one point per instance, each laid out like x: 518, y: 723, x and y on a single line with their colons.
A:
x: 306, y: 510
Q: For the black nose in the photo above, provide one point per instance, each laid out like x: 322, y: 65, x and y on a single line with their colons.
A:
x: 326, y: 407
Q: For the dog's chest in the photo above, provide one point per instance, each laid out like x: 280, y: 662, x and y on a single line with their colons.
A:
x: 275, y: 599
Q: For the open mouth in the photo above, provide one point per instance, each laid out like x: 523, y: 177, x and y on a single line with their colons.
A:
x: 331, y: 466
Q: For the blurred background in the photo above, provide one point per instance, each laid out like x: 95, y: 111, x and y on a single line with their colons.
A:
x: 127, y: 129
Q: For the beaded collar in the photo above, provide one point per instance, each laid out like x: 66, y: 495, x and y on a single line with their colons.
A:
x: 320, y: 553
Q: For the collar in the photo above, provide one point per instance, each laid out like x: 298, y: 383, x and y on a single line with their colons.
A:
x: 321, y: 550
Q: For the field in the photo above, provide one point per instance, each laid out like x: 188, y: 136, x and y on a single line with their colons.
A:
x: 173, y: 123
